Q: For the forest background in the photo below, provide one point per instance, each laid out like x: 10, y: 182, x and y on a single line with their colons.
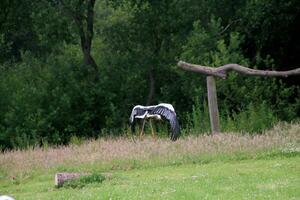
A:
x: 72, y: 69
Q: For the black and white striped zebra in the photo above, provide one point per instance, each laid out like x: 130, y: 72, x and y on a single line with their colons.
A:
x: 161, y: 111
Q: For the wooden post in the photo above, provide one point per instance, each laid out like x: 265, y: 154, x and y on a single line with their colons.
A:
x: 213, y: 105
x: 221, y: 72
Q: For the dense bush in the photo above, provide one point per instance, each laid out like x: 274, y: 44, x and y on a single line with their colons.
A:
x: 49, y: 102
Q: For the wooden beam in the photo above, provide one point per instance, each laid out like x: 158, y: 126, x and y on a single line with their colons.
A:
x: 221, y: 71
x: 213, y: 105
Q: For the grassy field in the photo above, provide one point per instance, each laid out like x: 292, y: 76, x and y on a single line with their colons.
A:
x: 228, y: 166
x: 277, y: 178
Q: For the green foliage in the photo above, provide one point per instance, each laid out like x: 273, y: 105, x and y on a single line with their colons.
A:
x: 49, y: 102
x: 198, y: 119
x: 260, y: 18
x: 254, y: 119
x: 28, y: 26
x: 83, y: 181
x: 47, y: 96
x: 75, y: 140
x: 248, y: 101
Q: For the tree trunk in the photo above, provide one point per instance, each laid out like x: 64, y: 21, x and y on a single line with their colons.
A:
x: 85, y: 24
x: 88, y: 58
x: 151, y: 88
x: 151, y: 93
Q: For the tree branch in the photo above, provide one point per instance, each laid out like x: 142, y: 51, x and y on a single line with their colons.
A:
x: 228, y: 25
x: 221, y: 71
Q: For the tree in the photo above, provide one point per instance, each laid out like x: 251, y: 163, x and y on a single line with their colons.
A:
x: 16, y: 29
x: 32, y: 26
x: 272, y: 28
x: 82, y: 13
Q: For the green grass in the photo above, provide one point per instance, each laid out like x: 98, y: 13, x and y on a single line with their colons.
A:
x: 225, y: 166
x: 274, y: 178
x: 83, y: 181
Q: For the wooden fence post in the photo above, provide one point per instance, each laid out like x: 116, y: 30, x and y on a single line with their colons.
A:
x: 221, y: 72
x: 213, y: 105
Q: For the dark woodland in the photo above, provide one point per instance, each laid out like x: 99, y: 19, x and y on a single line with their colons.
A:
x: 75, y: 68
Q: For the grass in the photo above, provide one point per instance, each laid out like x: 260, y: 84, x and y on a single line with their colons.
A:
x: 83, y: 181
x: 249, y: 179
x: 228, y: 166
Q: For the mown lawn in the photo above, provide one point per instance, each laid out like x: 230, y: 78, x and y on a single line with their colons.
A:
x: 273, y: 178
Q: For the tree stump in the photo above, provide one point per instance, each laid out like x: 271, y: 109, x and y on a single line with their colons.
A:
x: 60, y: 178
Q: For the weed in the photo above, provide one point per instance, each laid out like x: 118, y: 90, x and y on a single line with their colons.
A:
x: 84, y: 180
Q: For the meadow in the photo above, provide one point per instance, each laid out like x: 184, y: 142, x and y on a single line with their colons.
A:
x: 225, y: 166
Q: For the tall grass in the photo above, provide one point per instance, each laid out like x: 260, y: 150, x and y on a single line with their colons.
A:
x: 198, y: 119
x: 125, y: 153
x: 253, y: 119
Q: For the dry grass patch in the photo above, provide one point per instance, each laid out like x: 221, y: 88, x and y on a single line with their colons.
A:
x: 284, y: 137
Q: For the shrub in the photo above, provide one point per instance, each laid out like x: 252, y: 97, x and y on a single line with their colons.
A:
x: 83, y: 180
x: 254, y: 119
